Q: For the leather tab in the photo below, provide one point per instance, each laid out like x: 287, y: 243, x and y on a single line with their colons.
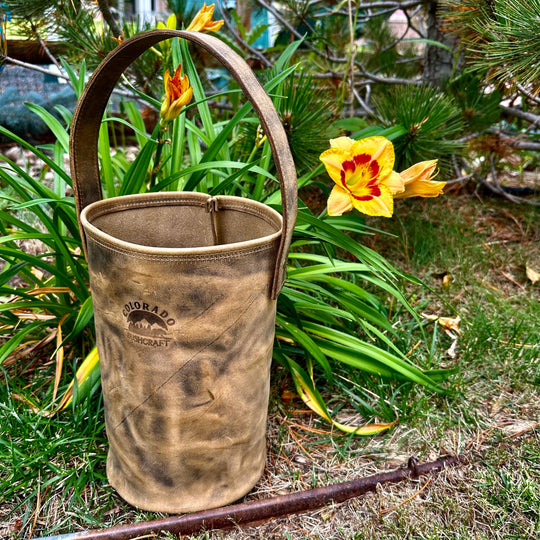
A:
x: 91, y: 106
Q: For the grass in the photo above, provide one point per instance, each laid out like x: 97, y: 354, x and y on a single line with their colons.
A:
x: 473, y: 254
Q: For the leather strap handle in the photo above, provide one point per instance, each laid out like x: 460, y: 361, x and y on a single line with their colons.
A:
x: 91, y: 106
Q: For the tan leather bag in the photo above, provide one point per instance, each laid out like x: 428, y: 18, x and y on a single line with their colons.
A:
x: 184, y: 288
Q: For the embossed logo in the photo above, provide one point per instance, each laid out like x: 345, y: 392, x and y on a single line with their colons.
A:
x: 147, y: 324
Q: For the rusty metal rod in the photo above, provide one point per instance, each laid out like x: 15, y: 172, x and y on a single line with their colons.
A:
x: 228, y: 517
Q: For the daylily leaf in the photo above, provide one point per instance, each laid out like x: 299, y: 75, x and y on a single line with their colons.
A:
x: 311, y: 397
x: 86, y: 377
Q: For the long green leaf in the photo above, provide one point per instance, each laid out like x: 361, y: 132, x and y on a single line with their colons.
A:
x: 38, y: 262
x: 43, y: 157
x: 383, y: 357
x: 214, y: 149
x: 213, y: 165
x: 298, y: 335
x: 106, y: 173
x: 355, y: 305
x: 40, y: 305
x: 136, y: 121
x: 77, y: 81
x: 318, y: 228
x: 53, y: 124
x: 138, y: 172
x: 198, y: 91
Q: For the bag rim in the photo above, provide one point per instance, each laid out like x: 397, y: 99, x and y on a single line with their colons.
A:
x: 188, y: 198
x: 89, y: 111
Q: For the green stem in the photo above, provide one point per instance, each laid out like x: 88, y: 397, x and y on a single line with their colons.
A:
x: 265, y: 164
x: 324, y: 213
x: 157, y: 157
x: 177, y: 147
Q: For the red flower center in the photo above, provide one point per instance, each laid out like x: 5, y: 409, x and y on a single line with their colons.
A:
x: 362, y: 174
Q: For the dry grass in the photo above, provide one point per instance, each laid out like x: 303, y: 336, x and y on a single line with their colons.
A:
x: 456, y: 503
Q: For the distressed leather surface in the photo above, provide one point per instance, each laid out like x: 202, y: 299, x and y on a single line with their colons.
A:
x: 185, y: 341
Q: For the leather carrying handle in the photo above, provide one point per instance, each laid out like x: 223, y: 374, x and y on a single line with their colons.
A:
x: 91, y: 106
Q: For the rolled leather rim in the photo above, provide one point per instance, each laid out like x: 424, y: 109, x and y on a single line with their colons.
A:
x: 91, y: 106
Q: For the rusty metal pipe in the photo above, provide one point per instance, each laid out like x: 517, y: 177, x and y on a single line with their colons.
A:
x: 228, y: 517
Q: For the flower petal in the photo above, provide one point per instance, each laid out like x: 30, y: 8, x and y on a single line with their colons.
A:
x: 339, y: 202
x: 333, y: 159
x: 418, y: 181
x: 381, y: 205
x: 171, y: 22
x: 203, y: 20
x: 345, y: 143
x: 394, y: 182
x: 178, y: 93
x: 422, y: 188
x: 214, y: 26
x: 359, y: 173
x: 380, y: 149
x: 422, y: 170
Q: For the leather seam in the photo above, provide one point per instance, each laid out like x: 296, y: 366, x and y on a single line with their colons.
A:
x: 183, y: 258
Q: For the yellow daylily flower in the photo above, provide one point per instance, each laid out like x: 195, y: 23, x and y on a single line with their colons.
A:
x: 364, y: 176
x: 171, y: 23
x: 178, y: 93
x: 203, y: 20
x: 418, y: 181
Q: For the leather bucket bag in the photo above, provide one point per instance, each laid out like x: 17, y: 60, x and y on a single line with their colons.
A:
x: 184, y: 288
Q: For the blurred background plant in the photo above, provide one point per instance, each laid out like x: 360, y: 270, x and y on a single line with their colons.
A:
x: 367, y: 58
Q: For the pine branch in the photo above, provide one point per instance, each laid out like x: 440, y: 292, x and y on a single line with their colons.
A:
x: 36, y: 9
x: 518, y: 113
x: 108, y: 16
x: 335, y: 59
x: 388, y: 7
x: 501, y: 38
x: 35, y: 67
x: 526, y: 93
x: 46, y: 50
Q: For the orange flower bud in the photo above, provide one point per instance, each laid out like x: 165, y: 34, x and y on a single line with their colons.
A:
x: 178, y: 93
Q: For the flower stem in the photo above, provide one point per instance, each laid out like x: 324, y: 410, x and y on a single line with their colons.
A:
x: 157, y: 157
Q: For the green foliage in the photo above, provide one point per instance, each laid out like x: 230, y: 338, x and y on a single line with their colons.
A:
x: 65, y: 452
x: 331, y: 310
x: 344, y: 320
x: 431, y: 119
x: 32, y: 11
x: 56, y: 278
x: 308, y: 117
x: 501, y: 37
x: 479, y: 107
